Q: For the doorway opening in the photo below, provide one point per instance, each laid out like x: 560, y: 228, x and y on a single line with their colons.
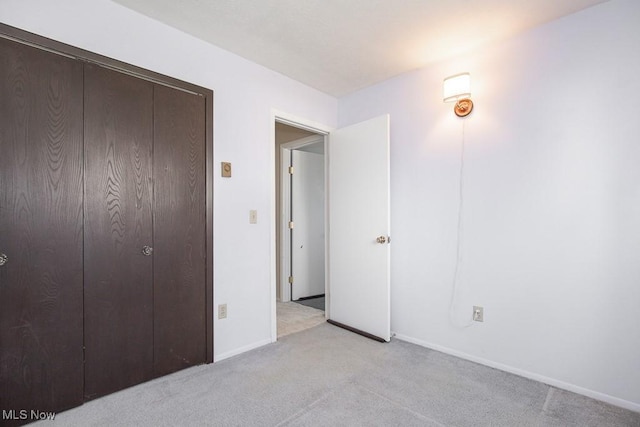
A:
x: 357, y: 223
x: 300, y: 227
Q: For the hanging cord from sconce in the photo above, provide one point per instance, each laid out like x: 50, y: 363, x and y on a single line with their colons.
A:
x: 459, y: 236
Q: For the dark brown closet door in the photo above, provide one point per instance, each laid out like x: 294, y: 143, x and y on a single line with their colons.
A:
x: 40, y: 229
x: 179, y: 230
x: 118, y: 322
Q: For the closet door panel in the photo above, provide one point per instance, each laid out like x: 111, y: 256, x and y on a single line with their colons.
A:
x: 118, y: 224
x: 40, y: 229
x: 179, y: 230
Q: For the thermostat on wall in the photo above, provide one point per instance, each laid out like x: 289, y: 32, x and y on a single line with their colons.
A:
x: 226, y: 169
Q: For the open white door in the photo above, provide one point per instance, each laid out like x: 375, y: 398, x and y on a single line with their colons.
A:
x: 307, y: 235
x: 359, y: 279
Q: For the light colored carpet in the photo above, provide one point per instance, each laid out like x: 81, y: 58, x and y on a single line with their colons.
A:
x: 293, y: 317
x: 326, y: 376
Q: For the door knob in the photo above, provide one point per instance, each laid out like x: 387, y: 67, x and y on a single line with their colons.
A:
x: 147, y: 250
x: 381, y: 239
x: 3, y: 259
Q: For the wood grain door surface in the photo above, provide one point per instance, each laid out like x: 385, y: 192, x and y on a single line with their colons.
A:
x: 179, y: 273
x: 41, y: 229
x: 118, y: 282
x: 95, y: 165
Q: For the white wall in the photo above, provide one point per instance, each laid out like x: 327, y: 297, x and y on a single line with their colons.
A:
x: 551, y: 219
x: 244, y: 95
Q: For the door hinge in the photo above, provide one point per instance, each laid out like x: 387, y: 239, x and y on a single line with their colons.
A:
x: 291, y: 225
x: 291, y: 279
x: 290, y: 170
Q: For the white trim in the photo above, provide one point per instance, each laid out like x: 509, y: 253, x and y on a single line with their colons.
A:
x: 302, y: 142
x: 240, y: 350
x: 289, y: 119
x: 327, y: 226
x: 285, y: 205
x: 285, y: 247
x: 299, y: 122
x: 626, y: 404
x: 273, y: 259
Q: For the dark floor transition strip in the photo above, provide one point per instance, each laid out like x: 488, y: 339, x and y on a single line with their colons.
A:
x: 313, y: 302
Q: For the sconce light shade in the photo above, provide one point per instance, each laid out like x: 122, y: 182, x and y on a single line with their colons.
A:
x: 458, y: 88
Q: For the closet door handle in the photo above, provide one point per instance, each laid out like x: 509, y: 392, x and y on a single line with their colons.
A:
x: 147, y: 250
x: 3, y: 259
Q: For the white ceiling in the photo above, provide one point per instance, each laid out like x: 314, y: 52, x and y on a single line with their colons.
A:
x: 339, y: 46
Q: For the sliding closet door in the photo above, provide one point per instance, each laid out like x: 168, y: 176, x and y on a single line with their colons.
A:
x: 179, y: 230
x: 40, y: 229
x: 118, y: 322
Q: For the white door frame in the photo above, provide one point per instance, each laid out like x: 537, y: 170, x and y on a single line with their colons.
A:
x: 323, y: 130
x: 285, y: 207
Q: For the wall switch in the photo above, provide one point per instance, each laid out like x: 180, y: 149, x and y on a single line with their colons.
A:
x: 222, y: 311
x: 478, y: 313
x: 253, y: 216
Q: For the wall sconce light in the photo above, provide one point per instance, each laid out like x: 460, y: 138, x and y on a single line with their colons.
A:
x: 458, y: 88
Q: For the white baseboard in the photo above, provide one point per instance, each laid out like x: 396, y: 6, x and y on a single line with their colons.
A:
x: 632, y: 406
x: 235, y: 352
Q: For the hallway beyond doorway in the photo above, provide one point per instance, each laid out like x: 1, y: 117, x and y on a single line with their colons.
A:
x: 293, y: 317
x: 315, y: 302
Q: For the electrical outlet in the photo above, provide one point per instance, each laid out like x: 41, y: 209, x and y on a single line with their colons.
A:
x: 222, y: 311
x: 253, y: 216
x: 478, y: 313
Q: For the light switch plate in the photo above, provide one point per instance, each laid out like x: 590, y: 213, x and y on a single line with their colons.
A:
x: 253, y: 216
x: 222, y: 311
x: 226, y: 169
x: 478, y: 313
